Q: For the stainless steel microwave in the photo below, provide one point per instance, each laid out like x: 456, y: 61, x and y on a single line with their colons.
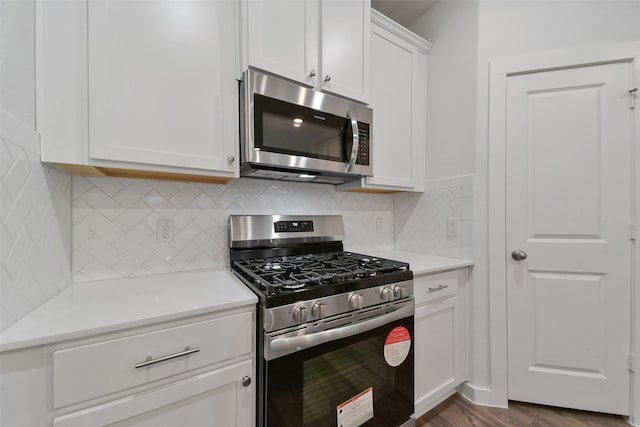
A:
x: 292, y: 132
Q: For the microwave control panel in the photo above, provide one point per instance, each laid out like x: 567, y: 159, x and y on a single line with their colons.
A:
x: 363, y: 148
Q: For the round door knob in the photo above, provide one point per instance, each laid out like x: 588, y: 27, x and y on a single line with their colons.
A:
x: 386, y: 294
x: 312, y: 73
x: 327, y: 78
x: 231, y: 159
x: 518, y: 255
x: 398, y: 291
x: 356, y: 301
x: 300, y: 313
x: 318, y: 310
x: 246, y: 381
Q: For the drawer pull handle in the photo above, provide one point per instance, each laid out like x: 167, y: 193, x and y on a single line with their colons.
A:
x: 151, y: 361
x: 438, y: 288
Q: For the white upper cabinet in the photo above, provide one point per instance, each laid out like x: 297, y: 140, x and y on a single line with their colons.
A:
x: 282, y: 37
x: 319, y: 43
x: 160, y: 86
x: 145, y: 86
x: 345, y: 48
x: 399, y: 101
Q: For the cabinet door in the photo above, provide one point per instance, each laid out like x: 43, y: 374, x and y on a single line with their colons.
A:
x: 345, y: 48
x: 398, y: 99
x: 215, y: 398
x: 162, y: 86
x: 439, y: 353
x: 282, y: 38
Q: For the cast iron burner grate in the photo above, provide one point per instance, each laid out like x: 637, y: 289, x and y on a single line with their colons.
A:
x: 283, y: 274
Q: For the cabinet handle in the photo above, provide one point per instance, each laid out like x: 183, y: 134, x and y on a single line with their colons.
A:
x: 438, y: 288
x: 327, y: 78
x: 231, y: 159
x: 151, y: 361
x: 312, y: 73
x: 246, y: 381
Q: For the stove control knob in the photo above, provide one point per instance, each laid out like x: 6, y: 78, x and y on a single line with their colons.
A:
x: 300, y: 313
x: 318, y: 309
x: 398, y: 291
x: 356, y: 301
x: 386, y: 294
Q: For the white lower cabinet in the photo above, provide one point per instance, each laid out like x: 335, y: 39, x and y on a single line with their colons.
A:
x: 187, y: 372
x: 213, y: 398
x: 440, y: 330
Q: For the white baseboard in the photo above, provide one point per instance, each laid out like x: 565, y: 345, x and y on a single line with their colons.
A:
x: 481, y: 396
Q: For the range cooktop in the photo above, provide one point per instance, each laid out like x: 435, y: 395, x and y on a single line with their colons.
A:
x: 288, y: 259
x: 284, y: 274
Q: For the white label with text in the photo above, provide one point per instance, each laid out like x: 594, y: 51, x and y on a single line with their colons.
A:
x: 357, y: 410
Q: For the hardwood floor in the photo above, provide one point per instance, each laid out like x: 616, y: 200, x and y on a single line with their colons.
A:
x: 457, y: 411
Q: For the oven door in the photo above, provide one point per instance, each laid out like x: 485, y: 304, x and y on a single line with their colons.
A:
x: 363, y: 379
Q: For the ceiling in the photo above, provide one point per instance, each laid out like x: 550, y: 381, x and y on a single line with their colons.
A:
x: 405, y: 12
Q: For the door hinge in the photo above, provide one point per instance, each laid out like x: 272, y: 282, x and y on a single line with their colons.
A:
x: 633, y: 94
x: 632, y: 362
x: 632, y: 232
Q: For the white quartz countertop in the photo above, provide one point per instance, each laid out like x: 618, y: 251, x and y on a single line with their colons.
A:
x: 108, y: 305
x: 422, y: 264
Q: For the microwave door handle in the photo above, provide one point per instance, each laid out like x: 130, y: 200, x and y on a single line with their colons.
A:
x: 286, y: 345
x: 351, y: 115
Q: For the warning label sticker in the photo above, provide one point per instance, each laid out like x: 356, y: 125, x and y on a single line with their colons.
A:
x: 357, y: 410
x: 397, y: 346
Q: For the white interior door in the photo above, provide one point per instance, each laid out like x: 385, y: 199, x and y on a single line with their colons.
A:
x: 568, y: 207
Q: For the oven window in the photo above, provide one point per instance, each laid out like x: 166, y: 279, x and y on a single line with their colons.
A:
x: 286, y: 128
x: 343, y: 372
x: 305, y: 388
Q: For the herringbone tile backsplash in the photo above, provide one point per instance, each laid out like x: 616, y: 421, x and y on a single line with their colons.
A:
x: 114, y: 221
x: 420, y: 219
x: 35, y: 249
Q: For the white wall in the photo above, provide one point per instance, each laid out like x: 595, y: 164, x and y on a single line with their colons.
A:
x: 35, y: 199
x: 420, y: 219
x: 503, y: 28
x: 451, y: 87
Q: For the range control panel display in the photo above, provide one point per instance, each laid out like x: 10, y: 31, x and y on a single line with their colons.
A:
x: 293, y: 226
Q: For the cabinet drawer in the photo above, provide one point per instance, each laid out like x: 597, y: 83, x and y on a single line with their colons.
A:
x: 435, y: 286
x: 88, y: 371
x: 212, y: 398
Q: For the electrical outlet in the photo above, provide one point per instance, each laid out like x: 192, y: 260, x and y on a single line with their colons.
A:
x: 164, y: 230
x: 453, y: 227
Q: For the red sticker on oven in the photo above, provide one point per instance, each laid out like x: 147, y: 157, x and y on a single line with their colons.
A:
x: 397, y: 346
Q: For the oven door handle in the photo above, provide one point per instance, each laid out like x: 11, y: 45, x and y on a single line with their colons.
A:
x: 285, y: 345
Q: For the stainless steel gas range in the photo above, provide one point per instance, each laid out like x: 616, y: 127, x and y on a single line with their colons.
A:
x: 335, y: 328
